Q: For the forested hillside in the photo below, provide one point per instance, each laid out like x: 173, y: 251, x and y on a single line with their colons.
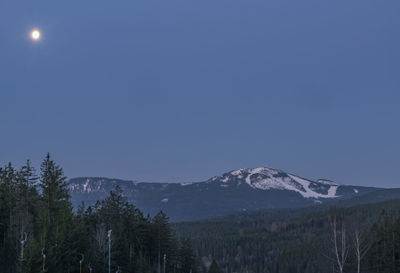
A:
x: 363, y: 238
x: 40, y: 233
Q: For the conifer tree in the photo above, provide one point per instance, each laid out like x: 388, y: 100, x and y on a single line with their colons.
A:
x: 187, y: 257
x: 162, y: 236
x: 8, y: 200
x: 54, y: 187
x: 56, y: 219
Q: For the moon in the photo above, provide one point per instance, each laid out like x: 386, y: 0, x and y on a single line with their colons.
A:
x: 35, y: 34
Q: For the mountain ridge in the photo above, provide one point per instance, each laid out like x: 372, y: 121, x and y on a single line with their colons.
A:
x: 238, y: 190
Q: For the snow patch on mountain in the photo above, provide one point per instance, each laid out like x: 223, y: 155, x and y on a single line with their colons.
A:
x: 309, y: 193
x: 332, y: 192
x: 237, y: 172
x: 327, y: 182
x: 85, y: 186
x: 266, y: 179
x: 225, y: 179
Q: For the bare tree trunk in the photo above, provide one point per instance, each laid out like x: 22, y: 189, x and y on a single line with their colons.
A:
x: 358, y: 249
x: 339, y: 242
x: 361, y: 243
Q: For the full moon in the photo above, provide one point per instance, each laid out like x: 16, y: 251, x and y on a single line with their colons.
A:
x: 35, y: 34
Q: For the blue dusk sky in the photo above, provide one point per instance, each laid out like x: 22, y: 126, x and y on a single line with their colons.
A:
x: 182, y: 90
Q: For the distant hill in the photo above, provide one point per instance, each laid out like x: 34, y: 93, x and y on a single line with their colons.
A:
x: 248, y: 189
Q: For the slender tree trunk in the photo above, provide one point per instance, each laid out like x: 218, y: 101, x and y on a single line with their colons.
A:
x: 340, y: 247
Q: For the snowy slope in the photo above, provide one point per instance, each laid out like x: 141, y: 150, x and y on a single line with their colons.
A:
x: 265, y: 178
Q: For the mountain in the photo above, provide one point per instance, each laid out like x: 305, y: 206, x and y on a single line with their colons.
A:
x: 248, y: 189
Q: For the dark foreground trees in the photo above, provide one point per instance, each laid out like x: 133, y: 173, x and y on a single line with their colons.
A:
x: 363, y: 238
x: 39, y: 231
x: 359, y: 247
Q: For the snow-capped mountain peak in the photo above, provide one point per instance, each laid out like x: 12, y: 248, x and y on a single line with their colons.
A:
x: 266, y: 178
x: 238, y: 190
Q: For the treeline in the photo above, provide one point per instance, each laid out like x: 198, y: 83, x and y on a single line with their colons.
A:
x: 39, y: 231
x: 356, y: 239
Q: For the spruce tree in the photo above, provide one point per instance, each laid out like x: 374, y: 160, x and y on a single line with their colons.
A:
x: 162, y: 238
x: 8, y: 200
x: 57, y: 217
x: 54, y: 187
x: 187, y: 257
x: 26, y: 212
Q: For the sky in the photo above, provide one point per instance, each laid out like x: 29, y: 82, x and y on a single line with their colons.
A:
x: 183, y: 90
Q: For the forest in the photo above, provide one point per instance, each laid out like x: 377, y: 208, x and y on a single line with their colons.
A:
x: 40, y: 231
x: 363, y: 238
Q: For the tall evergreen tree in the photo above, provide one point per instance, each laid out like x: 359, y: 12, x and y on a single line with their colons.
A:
x: 8, y: 201
x: 56, y: 219
x: 54, y: 187
x: 162, y: 239
x: 187, y: 257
